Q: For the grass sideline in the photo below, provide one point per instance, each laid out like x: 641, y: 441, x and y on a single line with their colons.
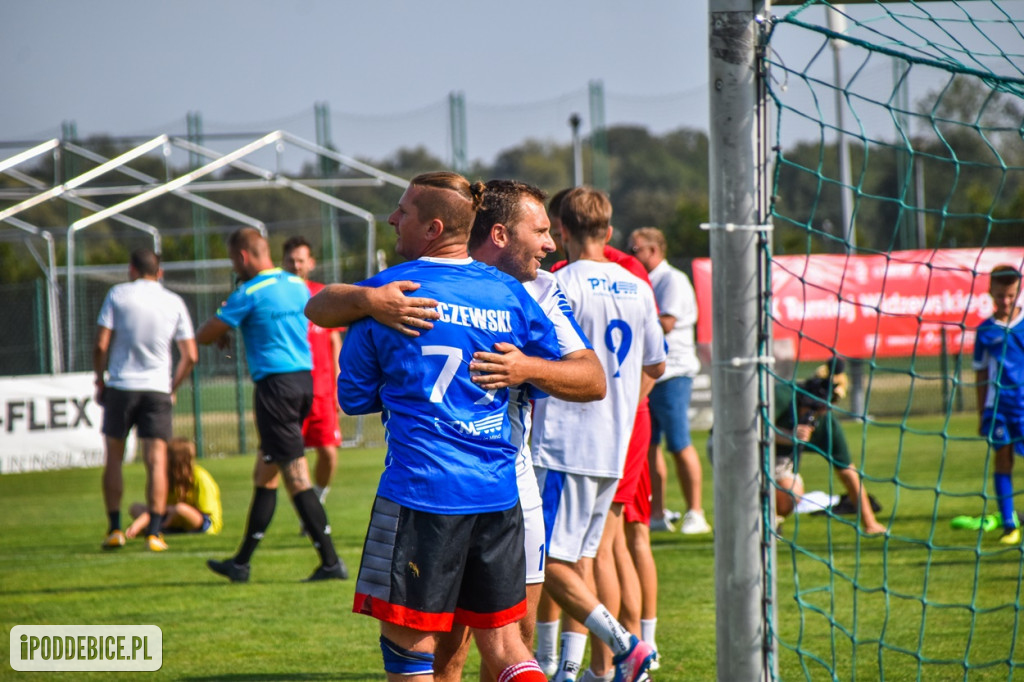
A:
x: 277, y: 628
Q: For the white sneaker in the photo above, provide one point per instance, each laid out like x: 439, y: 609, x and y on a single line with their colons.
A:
x: 662, y: 524
x: 549, y: 666
x: 694, y: 523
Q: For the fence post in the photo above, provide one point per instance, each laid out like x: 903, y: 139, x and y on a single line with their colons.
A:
x: 737, y: 208
x: 243, y: 441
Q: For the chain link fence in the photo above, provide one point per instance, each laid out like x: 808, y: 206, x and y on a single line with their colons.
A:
x: 215, y: 408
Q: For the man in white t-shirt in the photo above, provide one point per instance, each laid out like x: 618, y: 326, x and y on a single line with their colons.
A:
x: 138, y: 324
x: 580, y: 449
x: 670, y: 398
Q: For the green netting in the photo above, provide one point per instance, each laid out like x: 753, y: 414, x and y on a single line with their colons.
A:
x: 928, y: 194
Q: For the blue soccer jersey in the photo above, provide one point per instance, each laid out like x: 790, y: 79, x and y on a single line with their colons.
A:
x: 448, y: 439
x: 269, y: 310
x: 999, y: 348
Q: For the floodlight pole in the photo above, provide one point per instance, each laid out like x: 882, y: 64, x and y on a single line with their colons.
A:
x: 577, y: 150
x: 738, y: 211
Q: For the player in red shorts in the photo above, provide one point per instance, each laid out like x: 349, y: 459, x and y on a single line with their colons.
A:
x: 320, y: 430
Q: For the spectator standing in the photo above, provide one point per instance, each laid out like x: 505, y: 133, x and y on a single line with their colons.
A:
x: 138, y: 324
x: 670, y: 398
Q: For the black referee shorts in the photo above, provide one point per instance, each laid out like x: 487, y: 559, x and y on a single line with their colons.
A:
x: 281, y: 403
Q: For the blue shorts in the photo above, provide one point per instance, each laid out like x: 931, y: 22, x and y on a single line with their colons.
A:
x: 670, y: 407
x: 1003, y: 429
x: 205, y: 528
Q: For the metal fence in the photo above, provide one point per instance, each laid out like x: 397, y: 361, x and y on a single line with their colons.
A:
x: 215, y: 408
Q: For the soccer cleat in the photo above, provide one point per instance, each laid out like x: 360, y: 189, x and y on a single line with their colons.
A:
x: 662, y: 524
x: 656, y: 661
x: 694, y: 523
x: 156, y: 543
x: 633, y: 665
x: 115, y: 540
x: 1011, y: 536
x: 337, y: 572
x: 229, y: 569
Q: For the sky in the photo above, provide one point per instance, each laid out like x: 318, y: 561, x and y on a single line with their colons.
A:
x: 385, y: 68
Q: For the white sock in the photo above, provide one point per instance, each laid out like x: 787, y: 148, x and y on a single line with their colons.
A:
x: 608, y: 630
x: 547, y: 640
x: 574, y: 645
x: 321, y: 493
x: 647, y: 628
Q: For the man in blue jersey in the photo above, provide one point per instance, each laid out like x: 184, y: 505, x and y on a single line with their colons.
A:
x: 513, y: 233
x: 267, y: 308
x: 999, y: 367
x: 445, y: 543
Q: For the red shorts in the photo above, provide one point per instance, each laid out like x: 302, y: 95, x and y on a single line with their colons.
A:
x: 639, y: 509
x: 321, y: 426
x: 636, y: 456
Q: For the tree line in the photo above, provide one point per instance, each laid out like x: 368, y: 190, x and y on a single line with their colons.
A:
x: 972, y: 177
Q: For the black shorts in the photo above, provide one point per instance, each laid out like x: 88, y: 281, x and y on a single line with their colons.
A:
x: 425, y: 571
x: 148, y: 411
x: 281, y: 403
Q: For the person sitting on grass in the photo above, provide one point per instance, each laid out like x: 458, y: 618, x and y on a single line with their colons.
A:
x: 806, y: 419
x: 193, y: 497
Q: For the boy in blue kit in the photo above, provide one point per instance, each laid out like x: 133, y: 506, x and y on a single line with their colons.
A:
x: 445, y: 543
x: 999, y: 367
x: 268, y: 309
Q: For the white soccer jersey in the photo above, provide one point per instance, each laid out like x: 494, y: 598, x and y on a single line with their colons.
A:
x: 675, y: 297
x: 146, y: 319
x: 546, y: 292
x: 616, y: 311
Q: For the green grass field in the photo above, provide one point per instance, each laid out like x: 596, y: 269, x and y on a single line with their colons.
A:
x: 926, y: 593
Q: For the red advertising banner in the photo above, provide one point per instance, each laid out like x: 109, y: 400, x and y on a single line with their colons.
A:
x: 895, y: 304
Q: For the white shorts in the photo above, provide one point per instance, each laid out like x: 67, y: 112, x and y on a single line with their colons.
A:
x: 575, y: 510
x: 533, y: 524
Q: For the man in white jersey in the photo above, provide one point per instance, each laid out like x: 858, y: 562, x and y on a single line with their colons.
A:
x: 138, y: 323
x: 580, y: 449
x: 670, y: 398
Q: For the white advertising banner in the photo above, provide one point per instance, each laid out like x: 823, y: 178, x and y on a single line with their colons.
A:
x: 50, y: 422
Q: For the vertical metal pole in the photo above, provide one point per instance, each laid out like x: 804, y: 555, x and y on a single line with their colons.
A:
x: 599, y: 176
x: 577, y: 150
x: 457, y: 123
x: 40, y: 330
x: 837, y: 22
x: 328, y: 214
x: 200, y: 252
x: 240, y: 382
x: 736, y: 197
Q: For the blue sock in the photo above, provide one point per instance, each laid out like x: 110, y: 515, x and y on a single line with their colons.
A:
x: 1004, y: 497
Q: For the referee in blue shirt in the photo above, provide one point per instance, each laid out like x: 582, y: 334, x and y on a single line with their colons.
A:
x: 268, y: 309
